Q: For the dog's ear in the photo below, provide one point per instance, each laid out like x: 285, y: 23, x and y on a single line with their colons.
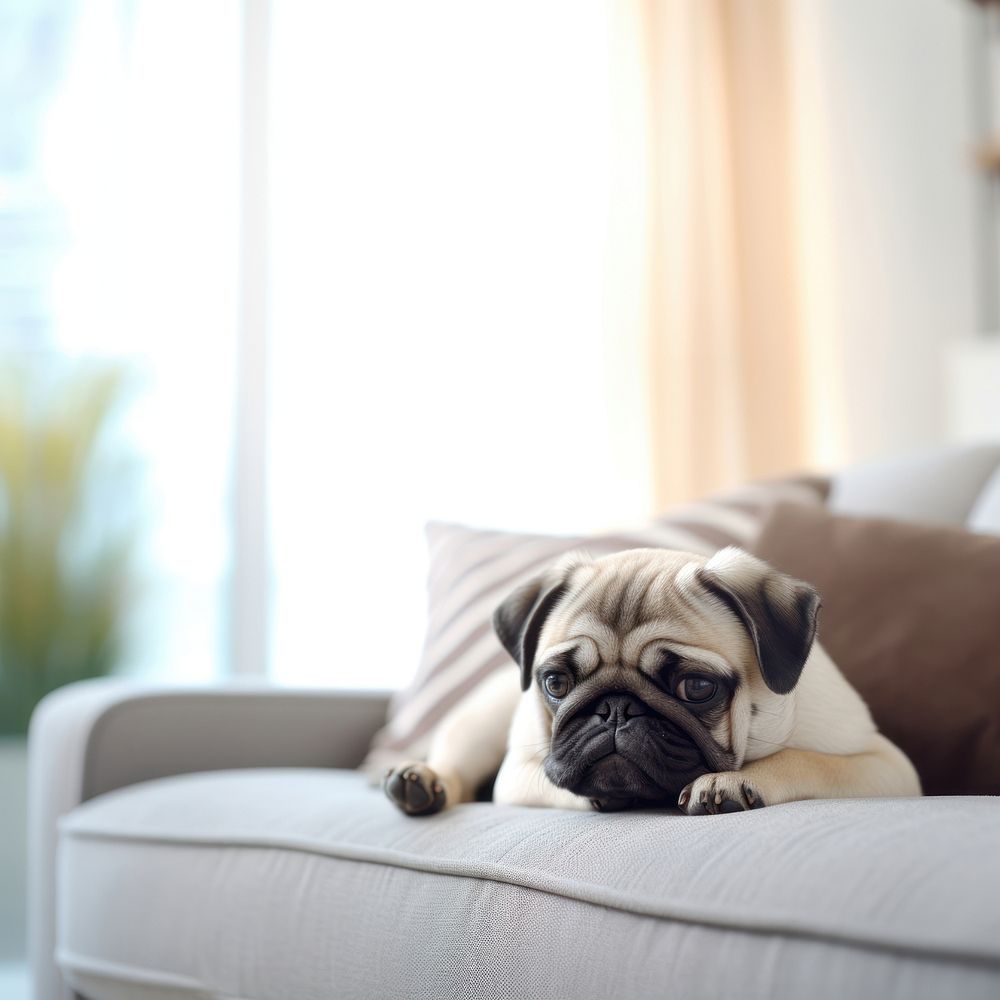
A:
x: 519, y: 620
x: 778, y: 611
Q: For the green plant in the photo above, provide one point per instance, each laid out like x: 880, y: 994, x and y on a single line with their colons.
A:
x: 65, y: 532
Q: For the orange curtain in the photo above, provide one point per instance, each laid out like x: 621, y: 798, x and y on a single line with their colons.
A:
x: 702, y: 263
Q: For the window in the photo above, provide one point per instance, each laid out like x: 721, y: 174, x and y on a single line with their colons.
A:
x: 436, y: 193
x: 439, y: 213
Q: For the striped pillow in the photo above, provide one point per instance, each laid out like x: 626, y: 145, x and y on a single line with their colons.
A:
x: 472, y: 571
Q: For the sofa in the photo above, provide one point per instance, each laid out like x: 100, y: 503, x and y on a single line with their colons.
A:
x: 219, y: 843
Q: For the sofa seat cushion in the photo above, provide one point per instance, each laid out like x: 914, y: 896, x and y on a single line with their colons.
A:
x: 267, y: 884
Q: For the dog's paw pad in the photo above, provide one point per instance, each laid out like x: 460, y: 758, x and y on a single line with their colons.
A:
x: 712, y: 794
x: 415, y: 789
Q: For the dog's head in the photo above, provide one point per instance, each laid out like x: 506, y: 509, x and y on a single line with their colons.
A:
x: 651, y: 665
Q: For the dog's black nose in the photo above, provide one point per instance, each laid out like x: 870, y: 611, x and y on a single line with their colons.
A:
x: 616, y: 709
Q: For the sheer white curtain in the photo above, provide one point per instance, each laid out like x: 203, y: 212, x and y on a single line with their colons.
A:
x: 439, y: 192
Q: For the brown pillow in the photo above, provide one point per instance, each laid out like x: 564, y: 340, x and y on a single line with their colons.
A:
x: 911, y: 615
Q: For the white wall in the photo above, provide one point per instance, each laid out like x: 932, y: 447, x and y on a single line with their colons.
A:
x: 885, y: 121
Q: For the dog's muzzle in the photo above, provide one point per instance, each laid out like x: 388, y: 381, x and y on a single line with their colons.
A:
x: 620, y: 751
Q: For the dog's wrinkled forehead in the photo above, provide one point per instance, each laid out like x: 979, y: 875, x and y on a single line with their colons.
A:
x: 624, y: 600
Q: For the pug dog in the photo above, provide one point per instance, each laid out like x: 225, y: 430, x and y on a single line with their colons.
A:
x: 654, y: 678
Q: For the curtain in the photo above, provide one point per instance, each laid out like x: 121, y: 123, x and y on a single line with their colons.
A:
x: 701, y: 307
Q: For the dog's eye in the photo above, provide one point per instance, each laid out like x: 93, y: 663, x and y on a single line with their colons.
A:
x: 696, y: 689
x: 557, y: 684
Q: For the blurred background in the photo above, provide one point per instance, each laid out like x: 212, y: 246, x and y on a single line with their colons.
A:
x: 281, y: 280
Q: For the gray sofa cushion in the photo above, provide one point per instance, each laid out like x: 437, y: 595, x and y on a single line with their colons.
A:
x: 307, y: 884
x: 985, y: 515
x: 943, y: 485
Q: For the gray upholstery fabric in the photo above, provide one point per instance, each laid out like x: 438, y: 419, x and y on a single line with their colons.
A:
x: 99, y: 735
x: 307, y: 884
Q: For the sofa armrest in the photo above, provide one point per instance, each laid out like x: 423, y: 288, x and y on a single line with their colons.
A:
x: 96, y: 736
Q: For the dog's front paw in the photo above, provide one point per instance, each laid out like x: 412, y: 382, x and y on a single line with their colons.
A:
x: 726, y: 792
x: 415, y: 789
